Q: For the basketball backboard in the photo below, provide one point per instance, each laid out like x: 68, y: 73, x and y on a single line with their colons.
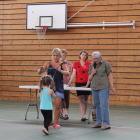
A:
x: 53, y: 15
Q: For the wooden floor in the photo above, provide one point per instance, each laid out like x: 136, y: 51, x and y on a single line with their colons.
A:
x: 125, y: 123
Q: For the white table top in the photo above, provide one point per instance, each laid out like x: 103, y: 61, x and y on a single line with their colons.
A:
x: 65, y: 88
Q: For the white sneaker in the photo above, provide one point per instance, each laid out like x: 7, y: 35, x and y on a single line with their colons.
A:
x: 46, y: 132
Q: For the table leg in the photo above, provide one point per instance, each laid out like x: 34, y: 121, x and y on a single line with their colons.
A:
x: 28, y: 104
x: 34, y: 104
x: 37, y: 106
x: 90, y: 108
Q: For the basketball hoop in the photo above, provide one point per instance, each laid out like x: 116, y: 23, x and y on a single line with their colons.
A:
x: 41, y: 30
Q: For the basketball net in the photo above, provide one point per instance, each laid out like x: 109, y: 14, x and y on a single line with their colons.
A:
x: 41, y: 32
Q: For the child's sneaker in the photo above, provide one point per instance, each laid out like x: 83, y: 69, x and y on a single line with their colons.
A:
x: 45, y: 131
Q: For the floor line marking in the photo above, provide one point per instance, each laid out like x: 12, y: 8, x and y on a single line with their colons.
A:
x: 74, y: 124
x: 125, y: 118
x: 124, y: 127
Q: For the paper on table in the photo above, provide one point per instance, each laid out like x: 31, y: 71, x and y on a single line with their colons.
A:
x: 66, y: 85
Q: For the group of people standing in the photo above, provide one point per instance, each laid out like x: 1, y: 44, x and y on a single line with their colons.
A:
x: 96, y: 74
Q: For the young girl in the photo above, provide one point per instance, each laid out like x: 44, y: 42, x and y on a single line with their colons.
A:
x: 46, y: 94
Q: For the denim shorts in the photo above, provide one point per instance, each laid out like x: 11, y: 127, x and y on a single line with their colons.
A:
x: 59, y: 94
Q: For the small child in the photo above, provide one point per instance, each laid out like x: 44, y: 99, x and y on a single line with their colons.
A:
x: 46, y: 94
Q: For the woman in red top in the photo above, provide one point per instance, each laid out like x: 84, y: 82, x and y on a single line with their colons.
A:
x: 80, y: 70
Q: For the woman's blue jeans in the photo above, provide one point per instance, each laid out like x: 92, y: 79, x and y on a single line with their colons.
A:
x: 101, y: 99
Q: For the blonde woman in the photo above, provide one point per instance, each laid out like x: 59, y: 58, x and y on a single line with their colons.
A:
x: 56, y: 69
